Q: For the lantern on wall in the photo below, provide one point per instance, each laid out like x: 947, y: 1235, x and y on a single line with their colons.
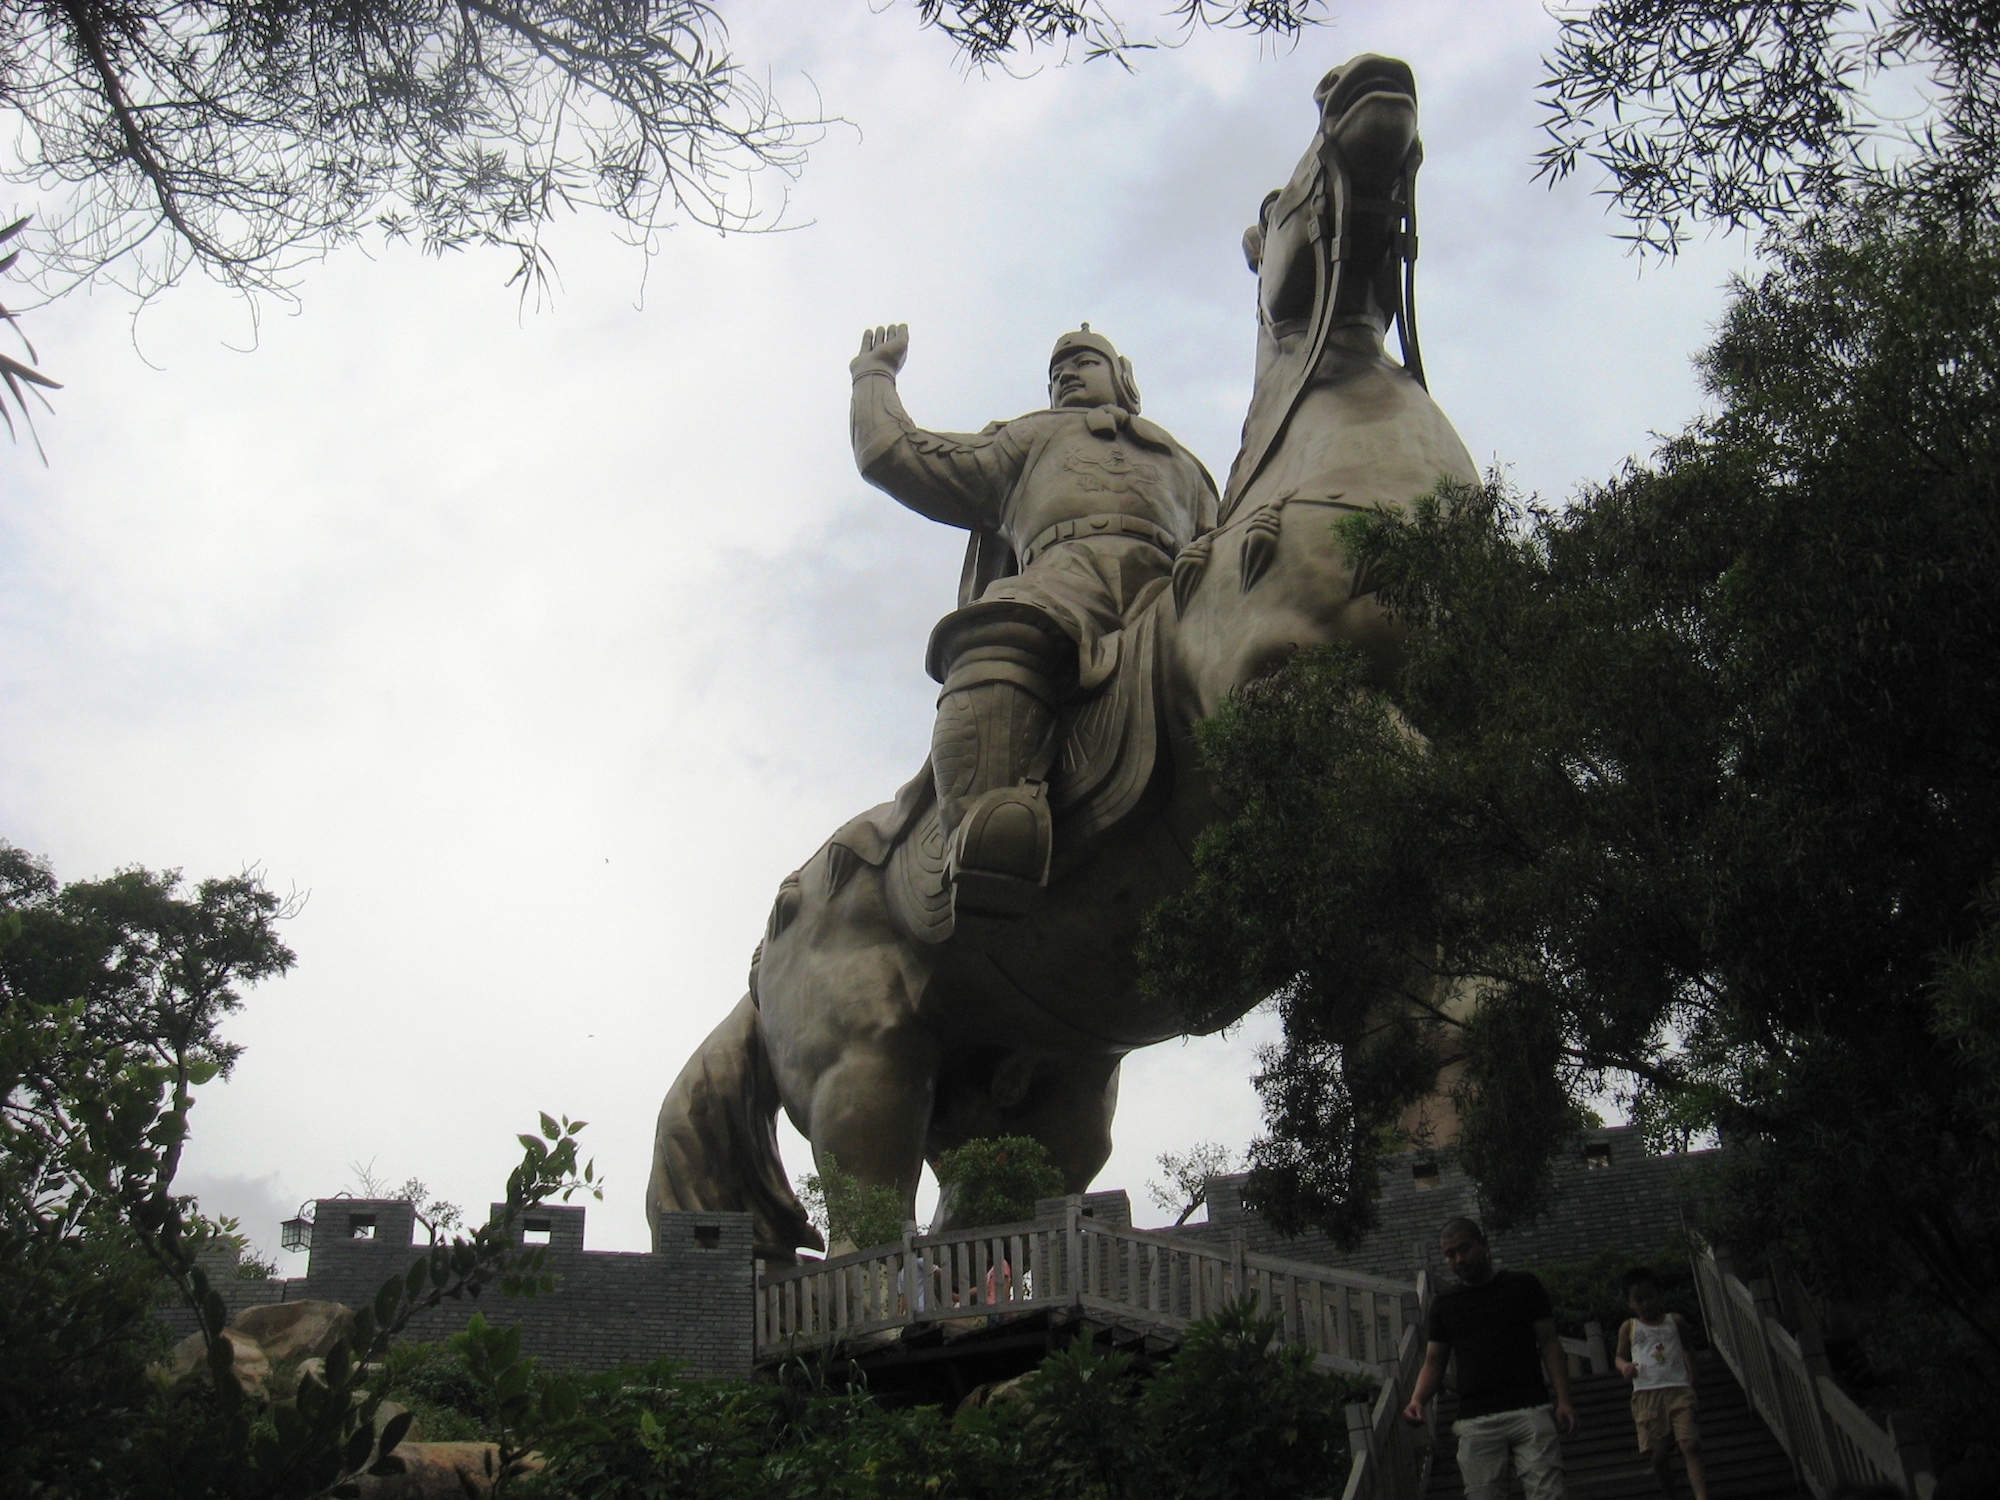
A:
x: 296, y: 1232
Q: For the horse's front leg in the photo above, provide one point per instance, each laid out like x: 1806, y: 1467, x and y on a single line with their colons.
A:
x: 870, y: 1109
x: 837, y: 994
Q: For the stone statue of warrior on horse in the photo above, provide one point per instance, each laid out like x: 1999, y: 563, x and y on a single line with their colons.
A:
x: 959, y: 962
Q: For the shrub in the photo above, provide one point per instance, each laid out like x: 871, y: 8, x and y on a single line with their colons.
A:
x: 848, y: 1210
x: 998, y: 1180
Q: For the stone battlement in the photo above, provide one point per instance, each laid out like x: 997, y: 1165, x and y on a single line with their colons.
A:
x: 1611, y: 1193
x: 689, y: 1300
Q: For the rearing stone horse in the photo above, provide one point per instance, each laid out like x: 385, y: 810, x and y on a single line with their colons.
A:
x: 890, y: 1029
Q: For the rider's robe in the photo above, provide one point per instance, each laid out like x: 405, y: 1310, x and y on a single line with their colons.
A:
x: 1073, y: 511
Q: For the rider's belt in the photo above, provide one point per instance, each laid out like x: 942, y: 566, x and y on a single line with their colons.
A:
x: 1094, y: 526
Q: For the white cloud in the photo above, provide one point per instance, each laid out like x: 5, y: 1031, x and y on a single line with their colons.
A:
x: 540, y: 648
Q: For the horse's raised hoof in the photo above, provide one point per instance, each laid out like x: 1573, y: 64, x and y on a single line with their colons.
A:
x: 1000, y: 853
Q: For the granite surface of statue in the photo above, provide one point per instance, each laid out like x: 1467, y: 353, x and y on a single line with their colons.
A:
x: 959, y: 962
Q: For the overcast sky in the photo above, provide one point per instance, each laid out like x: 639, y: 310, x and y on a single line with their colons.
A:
x: 537, y: 648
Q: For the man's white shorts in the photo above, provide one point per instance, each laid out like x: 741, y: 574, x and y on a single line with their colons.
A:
x: 1526, y: 1437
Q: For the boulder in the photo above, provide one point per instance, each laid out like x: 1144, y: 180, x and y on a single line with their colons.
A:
x: 997, y: 1393
x: 443, y: 1471
x: 253, y: 1367
x: 294, y: 1331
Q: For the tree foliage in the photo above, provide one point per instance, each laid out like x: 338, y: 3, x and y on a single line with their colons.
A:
x: 1230, y: 1415
x: 112, y: 993
x: 847, y: 1210
x: 112, y: 997
x: 1693, y: 786
x: 1185, y: 1189
x: 997, y: 1180
x: 247, y: 138
x: 250, y: 138
x: 1746, y: 114
x: 991, y: 31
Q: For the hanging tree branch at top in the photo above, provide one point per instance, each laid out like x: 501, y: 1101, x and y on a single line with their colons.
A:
x: 1747, y: 113
x: 249, y: 137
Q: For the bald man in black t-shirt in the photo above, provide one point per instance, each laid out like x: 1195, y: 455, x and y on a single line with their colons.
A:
x: 1501, y: 1328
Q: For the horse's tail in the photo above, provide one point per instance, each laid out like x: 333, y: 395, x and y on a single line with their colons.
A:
x: 716, y: 1144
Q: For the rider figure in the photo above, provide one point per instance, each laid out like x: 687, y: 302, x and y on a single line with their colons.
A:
x: 1074, y: 512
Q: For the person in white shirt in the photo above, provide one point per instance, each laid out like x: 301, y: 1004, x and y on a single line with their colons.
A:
x: 1654, y: 1353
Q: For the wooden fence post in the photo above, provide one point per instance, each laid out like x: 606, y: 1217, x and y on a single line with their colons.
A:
x: 1073, y: 1247
x: 1359, y: 1422
x: 1913, y: 1455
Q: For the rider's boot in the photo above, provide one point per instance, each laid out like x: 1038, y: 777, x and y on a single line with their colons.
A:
x: 990, y: 752
x: 1369, y: 122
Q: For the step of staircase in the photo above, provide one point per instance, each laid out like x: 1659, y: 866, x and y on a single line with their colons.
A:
x: 1601, y: 1459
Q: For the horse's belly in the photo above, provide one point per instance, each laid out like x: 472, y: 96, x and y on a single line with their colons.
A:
x: 1065, y: 976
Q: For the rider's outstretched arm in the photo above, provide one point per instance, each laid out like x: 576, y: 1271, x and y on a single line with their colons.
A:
x: 959, y: 478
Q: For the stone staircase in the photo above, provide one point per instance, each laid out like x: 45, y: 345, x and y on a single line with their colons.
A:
x: 1601, y: 1459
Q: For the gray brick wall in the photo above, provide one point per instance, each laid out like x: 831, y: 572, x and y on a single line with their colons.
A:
x: 1611, y: 1193
x: 1113, y: 1207
x: 221, y: 1268
x: 691, y: 1299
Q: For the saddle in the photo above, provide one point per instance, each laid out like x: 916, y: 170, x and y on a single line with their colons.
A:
x: 1108, y: 745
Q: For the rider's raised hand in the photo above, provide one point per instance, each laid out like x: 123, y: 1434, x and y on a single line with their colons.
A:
x: 882, y: 349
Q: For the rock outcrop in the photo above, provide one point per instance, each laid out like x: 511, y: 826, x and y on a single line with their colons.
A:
x: 293, y: 1331
x: 253, y: 1366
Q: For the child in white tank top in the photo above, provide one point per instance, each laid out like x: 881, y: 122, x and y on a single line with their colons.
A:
x: 1653, y: 1353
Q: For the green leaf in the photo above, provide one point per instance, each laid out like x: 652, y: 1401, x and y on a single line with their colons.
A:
x: 550, y: 1129
x: 560, y: 1400
x: 394, y: 1430
x: 360, y: 1445
x: 387, y: 1299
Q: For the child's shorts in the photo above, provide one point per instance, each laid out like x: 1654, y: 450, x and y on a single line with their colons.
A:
x: 1664, y: 1410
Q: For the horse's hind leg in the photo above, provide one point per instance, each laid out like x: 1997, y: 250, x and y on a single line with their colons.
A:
x: 1065, y: 1103
x: 1068, y: 1108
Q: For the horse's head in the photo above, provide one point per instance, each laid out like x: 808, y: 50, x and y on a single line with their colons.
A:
x: 1334, y: 423
x: 1361, y: 151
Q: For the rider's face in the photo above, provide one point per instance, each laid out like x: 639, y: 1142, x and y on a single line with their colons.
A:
x: 1081, y: 377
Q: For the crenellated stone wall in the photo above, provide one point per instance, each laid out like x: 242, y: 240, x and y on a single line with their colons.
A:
x: 1611, y: 1194
x: 690, y: 1299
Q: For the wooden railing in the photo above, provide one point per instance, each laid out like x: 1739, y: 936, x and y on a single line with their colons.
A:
x: 1830, y: 1440
x: 1351, y: 1321
x: 1587, y: 1355
x: 1392, y: 1459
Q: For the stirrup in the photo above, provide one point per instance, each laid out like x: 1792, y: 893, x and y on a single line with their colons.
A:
x: 999, y: 857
